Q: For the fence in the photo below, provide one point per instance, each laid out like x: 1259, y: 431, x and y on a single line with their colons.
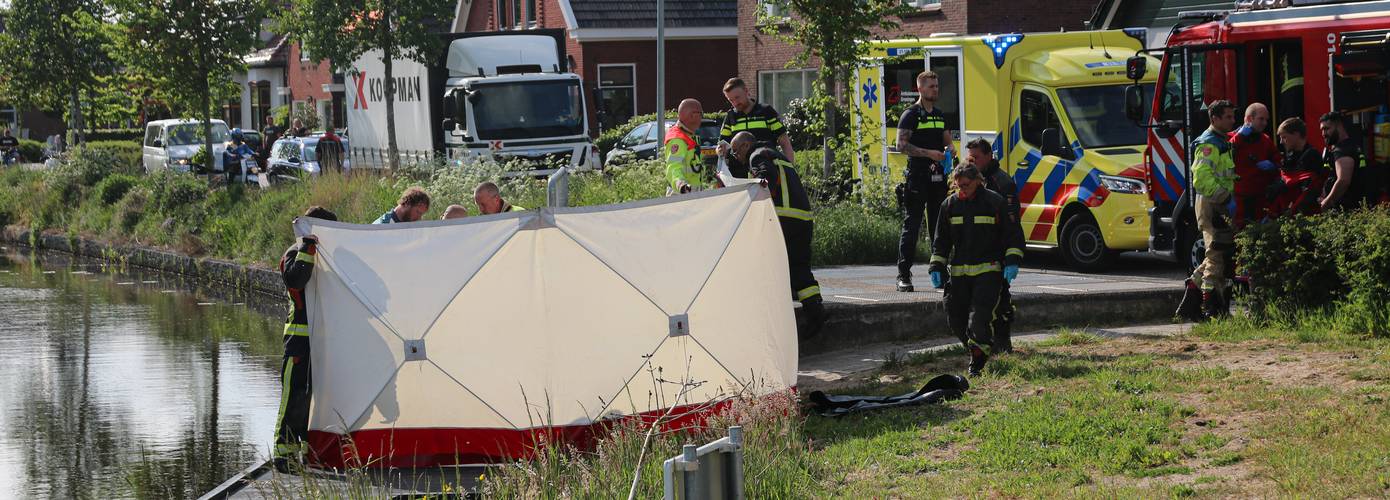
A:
x: 378, y: 159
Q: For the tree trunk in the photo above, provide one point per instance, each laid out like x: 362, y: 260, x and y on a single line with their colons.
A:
x: 388, y: 52
x: 78, y: 136
x: 827, y: 153
x: 205, y: 110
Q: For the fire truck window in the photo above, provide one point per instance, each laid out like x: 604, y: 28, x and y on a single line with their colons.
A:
x: 1288, y: 81
x: 1172, y: 104
x: 1036, y: 114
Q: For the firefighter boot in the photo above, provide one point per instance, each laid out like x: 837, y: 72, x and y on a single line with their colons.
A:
x: 905, y: 283
x: 1190, y: 308
x: 1214, y: 304
x: 977, y: 359
x: 813, y: 310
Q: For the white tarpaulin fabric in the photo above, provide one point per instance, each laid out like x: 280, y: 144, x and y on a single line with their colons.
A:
x: 454, y: 341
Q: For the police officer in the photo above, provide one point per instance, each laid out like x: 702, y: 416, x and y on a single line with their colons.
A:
x: 1213, y: 180
x: 923, y: 137
x: 296, y: 267
x: 1343, y: 158
x: 793, y: 214
x: 748, y: 116
x: 979, y: 154
x: 684, y: 167
x: 980, y: 245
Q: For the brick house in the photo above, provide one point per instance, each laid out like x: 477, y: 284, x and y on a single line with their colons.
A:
x: 612, y: 46
x: 313, y: 83
x: 764, y: 59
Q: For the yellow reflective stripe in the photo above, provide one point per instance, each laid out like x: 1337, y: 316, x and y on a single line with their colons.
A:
x: 974, y: 269
x: 750, y: 124
x: 304, y: 257
x: 984, y: 219
x: 1291, y: 83
x: 937, y: 259
x: 933, y: 123
x: 293, y: 330
x: 775, y: 124
x: 794, y: 213
x: 1013, y: 252
x: 285, y: 377
x: 808, y: 292
x: 958, y: 220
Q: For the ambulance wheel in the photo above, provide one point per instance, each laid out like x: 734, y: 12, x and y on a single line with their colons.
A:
x: 1083, y: 245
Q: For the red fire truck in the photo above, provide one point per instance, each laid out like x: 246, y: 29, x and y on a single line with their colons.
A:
x: 1301, y: 58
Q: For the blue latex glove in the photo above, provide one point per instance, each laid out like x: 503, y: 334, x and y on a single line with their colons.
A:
x: 936, y: 279
x: 1245, y: 131
x: 947, y: 162
x: 1266, y: 165
x: 1010, y: 273
x: 1231, y: 206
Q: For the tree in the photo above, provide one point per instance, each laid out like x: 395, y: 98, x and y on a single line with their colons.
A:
x: 57, y: 50
x: 188, y: 50
x: 835, y: 32
x: 343, y: 30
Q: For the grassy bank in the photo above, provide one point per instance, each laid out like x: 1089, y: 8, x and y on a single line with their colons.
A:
x: 103, y: 193
x: 1230, y: 409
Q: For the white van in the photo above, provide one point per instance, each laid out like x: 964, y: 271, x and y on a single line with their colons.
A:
x: 171, y: 143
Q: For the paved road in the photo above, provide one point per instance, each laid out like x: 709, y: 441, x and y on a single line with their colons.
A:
x: 1042, y: 273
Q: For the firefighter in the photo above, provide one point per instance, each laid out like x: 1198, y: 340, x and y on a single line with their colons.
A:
x: 1257, y: 166
x: 759, y: 119
x: 1343, y: 158
x: 684, y: 167
x: 980, y: 154
x: 489, y: 199
x: 924, y: 139
x: 980, y: 245
x: 1301, y: 175
x: 793, y: 214
x: 1213, y: 179
x: 296, y: 267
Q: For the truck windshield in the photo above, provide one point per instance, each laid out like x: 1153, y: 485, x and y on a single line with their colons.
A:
x: 1098, y: 115
x: 527, y: 110
x: 184, y: 134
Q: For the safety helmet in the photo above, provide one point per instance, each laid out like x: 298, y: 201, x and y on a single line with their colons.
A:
x: 237, y: 136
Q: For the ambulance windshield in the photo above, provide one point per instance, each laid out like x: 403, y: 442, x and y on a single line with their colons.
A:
x: 1098, y: 115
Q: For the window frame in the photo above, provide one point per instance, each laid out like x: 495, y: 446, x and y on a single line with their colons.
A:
x: 768, y: 95
x: 598, y: 79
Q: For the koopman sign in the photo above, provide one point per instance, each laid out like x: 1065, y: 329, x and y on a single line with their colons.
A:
x: 366, y: 109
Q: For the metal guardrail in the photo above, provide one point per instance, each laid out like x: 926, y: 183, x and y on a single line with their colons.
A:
x: 710, y: 472
x: 557, y: 188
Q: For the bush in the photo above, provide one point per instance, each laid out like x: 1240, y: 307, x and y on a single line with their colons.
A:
x: 170, y: 190
x: 127, y: 155
x: 31, y: 151
x: 847, y: 233
x: 1336, y: 261
x: 111, y: 189
x: 115, y: 135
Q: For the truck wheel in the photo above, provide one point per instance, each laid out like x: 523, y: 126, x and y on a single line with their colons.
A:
x: 1083, y: 246
x: 1189, y: 248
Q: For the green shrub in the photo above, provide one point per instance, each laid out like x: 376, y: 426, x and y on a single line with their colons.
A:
x: 111, y: 189
x: 130, y: 209
x: 170, y: 190
x: 1336, y: 261
x: 31, y: 151
x: 127, y: 155
x: 115, y: 135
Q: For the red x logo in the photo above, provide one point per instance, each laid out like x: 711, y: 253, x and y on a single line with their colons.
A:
x: 361, y: 102
x: 496, y: 145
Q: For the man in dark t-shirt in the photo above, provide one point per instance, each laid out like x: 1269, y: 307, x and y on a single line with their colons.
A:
x: 1301, y: 174
x: 9, y: 148
x: 1343, y: 158
x: 923, y: 137
x: 758, y: 119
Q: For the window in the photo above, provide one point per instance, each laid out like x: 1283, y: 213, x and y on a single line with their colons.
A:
x: 900, y: 87
x: 530, y: 13
x: 231, y: 113
x: 501, y: 14
x: 151, y: 135
x: 774, y: 10
x: 778, y: 88
x: 923, y: 4
x: 637, y: 135
x: 516, y: 13
x: 1094, y: 111
x: 1036, y: 114
x: 617, y: 93
x: 260, y: 102
x: 303, y: 53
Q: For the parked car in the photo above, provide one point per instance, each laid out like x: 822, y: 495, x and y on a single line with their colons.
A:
x: 171, y: 144
x: 296, y: 154
x: 640, y: 144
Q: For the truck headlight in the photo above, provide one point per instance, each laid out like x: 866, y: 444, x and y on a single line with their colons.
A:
x: 1126, y: 185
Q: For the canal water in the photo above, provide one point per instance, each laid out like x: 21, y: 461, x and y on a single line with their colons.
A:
x: 125, y: 385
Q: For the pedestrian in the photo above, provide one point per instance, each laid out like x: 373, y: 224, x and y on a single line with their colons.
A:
x: 297, y: 128
x: 9, y: 148
x: 924, y: 139
x: 489, y: 199
x: 793, y: 214
x: 976, y: 250
x: 684, y: 167
x: 329, y: 152
x: 980, y: 154
x: 296, y: 381
x: 1343, y: 158
x: 1302, y: 174
x: 1213, y: 179
x: 411, y: 206
x: 269, y: 134
x: 1257, y: 165
x: 454, y: 212
x: 747, y: 115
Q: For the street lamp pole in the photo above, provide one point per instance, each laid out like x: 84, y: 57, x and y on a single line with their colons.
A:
x: 661, y: 75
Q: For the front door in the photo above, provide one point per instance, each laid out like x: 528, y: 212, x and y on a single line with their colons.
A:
x: 1039, y: 176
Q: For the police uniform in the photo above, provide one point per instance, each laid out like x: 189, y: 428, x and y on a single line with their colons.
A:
x: 683, y: 162
x: 760, y: 120
x: 1003, y: 185
x: 1213, y: 180
x: 296, y: 267
x: 793, y: 214
x: 924, y: 181
x: 976, y: 238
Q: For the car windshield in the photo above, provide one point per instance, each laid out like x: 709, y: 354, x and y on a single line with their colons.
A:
x: 285, y: 150
x: 528, y: 110
x: 184, y: 134
x: 1098, y: 115
x: 709, y: 134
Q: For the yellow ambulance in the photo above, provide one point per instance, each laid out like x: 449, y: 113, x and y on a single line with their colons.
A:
x: 1052, y: 105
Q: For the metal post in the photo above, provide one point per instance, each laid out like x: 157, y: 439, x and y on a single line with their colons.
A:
x: 557, y: 188
x: 690, y: 456
x: 660, y: 76
x: 735, y: 476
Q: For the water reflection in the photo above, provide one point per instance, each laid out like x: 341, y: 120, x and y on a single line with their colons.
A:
x: 113, y: 386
